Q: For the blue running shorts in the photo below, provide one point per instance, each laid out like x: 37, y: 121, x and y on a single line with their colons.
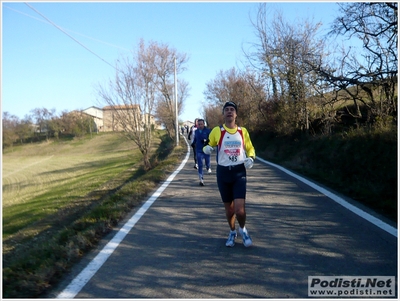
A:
x: 231, y: 182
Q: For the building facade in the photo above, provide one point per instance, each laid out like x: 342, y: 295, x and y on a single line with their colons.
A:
x: 118, y: 118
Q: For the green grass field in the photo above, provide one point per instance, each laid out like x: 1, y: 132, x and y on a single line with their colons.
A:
x: 61, y: 197
x: 40, y: 179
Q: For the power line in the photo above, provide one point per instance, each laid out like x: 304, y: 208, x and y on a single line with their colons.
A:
x: 66, y: 29
x: 59, y: 28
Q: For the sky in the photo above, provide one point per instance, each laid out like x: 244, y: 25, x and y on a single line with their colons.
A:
x: 42, y: 67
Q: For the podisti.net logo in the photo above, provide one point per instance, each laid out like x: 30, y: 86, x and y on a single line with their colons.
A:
x: 351, y: 286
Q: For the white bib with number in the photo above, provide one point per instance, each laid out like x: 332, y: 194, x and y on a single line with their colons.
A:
x: 231, y: 149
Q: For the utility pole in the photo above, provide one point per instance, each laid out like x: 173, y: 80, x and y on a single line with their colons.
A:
x: 176, y: 107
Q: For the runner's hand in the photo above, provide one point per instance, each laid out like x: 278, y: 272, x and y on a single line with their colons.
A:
x: 248, y: 163
x: 207, y: 149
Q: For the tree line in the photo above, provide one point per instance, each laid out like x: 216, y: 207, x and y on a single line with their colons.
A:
x: 296, y: 81
x: 43, y: 124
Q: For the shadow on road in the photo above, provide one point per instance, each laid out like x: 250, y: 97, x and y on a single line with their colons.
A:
x: 177, y: 249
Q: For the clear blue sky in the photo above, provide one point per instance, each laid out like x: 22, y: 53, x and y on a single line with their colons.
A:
x: 43, y: 67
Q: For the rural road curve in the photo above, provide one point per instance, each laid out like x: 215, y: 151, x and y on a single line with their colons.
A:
x: 177, y: 248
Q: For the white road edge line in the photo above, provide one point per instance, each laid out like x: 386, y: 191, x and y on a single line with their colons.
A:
x: 377, y: 222
x: 88, y: 272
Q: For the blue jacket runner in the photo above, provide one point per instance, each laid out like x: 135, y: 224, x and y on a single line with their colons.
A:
x: 201, y: 138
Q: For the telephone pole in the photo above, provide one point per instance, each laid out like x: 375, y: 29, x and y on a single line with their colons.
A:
x: 176, y: 107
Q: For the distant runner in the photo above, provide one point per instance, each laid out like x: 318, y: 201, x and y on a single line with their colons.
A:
x: 192, y: 143
x: 200, y: 139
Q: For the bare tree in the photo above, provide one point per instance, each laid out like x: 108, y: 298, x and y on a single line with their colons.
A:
x: 279, y: 55
x: 218, y: 91
x: 130, y: 96
x: 42, y: 117
x: 66, y: 122
x: 142, y: 82
x: 242, y: 87
x: 9, y: 125
x: 368, y: 76
x: 212, y: 115
x: 25, y: 129
x: 165, y: 111
x: 165, y: 70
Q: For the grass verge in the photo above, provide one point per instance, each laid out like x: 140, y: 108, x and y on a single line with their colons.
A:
x: 360, y: 163
x: 37, y: 252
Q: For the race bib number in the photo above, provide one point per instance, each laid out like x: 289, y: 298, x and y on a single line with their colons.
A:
x: 233, y: 154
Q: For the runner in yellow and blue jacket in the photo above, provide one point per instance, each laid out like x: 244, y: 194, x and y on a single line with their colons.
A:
x: 235, y: 154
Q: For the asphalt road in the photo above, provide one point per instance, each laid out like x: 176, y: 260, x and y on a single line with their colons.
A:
x: 177, y: 248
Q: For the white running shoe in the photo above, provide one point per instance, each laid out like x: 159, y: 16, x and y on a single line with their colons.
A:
x: 209, y: 170
x: 231, y: 239
x: 247, y: 241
